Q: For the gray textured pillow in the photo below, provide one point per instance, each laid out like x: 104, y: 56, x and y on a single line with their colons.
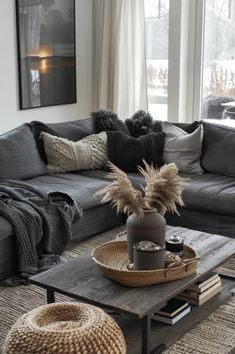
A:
x: 19, y: 157
x: 182, y: 148
x: 64, y: 155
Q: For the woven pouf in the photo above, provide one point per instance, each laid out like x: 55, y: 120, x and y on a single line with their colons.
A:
x: 65, y: 328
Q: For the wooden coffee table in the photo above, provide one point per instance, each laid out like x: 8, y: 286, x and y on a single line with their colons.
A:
x: 82, y: 280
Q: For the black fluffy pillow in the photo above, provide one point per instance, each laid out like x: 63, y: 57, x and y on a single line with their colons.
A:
x: 142, y: 123
x: 104, y: 120
x: 128, y: 152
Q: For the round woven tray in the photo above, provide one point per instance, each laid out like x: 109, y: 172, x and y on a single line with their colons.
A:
x: 112, y: 259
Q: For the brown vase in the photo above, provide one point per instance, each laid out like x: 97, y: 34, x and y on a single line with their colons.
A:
x: 152, y: 227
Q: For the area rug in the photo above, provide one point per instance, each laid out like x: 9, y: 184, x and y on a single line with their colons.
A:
x: 216, y: 334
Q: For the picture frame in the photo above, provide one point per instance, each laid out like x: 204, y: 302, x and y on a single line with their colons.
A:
x: 46, y: 43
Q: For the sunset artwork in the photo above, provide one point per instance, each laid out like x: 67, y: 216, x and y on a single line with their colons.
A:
x: 46, y: 51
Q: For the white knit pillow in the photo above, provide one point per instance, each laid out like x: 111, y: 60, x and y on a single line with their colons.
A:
x: 64, y: 155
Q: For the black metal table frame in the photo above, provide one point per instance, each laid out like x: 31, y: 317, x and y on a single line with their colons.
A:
x: 145, y: 327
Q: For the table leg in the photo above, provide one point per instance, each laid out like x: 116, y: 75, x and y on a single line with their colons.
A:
x: 146, y: 334
x: 50, y: 296
x: 146, y: 338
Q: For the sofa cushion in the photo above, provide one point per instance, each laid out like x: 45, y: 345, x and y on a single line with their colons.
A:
x: 210, y: 193
x: 200, y: 220
x: 182, y: 148
x: 64, y: 155
x: 128, y: 152
x: 74, y: 130
x: 218, y: 149
x: 95, y: 220
x: 136, y: 179
x: 99, y: 174
x: 19, y: 157
x: 79, y: 187
x: 207, y: 192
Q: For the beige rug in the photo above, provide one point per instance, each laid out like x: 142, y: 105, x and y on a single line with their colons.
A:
x: 215, y: 335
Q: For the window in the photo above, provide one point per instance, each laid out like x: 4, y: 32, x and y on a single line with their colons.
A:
x: 167, y: 49
x: 219, y: 57
x: 190, y: 46
x: 157, y: 29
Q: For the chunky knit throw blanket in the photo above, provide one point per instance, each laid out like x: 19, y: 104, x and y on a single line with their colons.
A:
x: 41, y: 222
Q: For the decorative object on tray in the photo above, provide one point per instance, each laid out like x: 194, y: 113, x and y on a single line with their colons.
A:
x: 65, y: 328
x: 163, y: 191
x: 175, y: 245
x: 151, y: 227
x: 113, y: 260
x: 148, y: 255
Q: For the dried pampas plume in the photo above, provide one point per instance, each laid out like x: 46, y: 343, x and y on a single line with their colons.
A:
x: 163, y: 190
x: 122, y: 194
x: 164, y: 187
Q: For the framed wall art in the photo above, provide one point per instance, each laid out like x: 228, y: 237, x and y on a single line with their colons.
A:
x: 46, y: 52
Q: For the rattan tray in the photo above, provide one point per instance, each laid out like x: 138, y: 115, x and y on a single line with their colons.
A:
x: 112, y: 259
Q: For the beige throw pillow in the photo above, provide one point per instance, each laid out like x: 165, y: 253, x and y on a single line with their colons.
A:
x: 64, y: 155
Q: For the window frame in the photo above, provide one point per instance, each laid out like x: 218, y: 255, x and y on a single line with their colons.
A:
x: 186, y: 45
x: 185, y: 61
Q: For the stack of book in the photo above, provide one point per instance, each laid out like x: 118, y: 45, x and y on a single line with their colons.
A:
x: 172, y: 312
x: 202, y: 291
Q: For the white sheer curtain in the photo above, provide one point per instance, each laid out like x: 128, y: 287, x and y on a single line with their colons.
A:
x: 120, y: 80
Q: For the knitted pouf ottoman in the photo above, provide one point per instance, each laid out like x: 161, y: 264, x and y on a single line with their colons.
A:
x: 65, y: 328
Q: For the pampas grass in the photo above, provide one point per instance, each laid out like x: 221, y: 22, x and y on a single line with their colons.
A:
x: 163, y: 190
x: 164, y: 187
x: 121, y: 194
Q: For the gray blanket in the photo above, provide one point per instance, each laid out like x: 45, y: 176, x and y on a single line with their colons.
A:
x: 42, y: 223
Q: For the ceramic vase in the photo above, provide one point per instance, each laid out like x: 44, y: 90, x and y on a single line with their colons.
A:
x: 152, y: 227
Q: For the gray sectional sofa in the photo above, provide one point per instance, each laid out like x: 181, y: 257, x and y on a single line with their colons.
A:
x: 209, y: 198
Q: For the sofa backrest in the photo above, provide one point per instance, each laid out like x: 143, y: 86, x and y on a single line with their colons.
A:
x: 188, y: 127
x: 74, y: 130
x: 218, y: 149
x: 19, y: 157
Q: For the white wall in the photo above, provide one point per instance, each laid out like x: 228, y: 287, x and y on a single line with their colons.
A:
x: 10, y: 115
